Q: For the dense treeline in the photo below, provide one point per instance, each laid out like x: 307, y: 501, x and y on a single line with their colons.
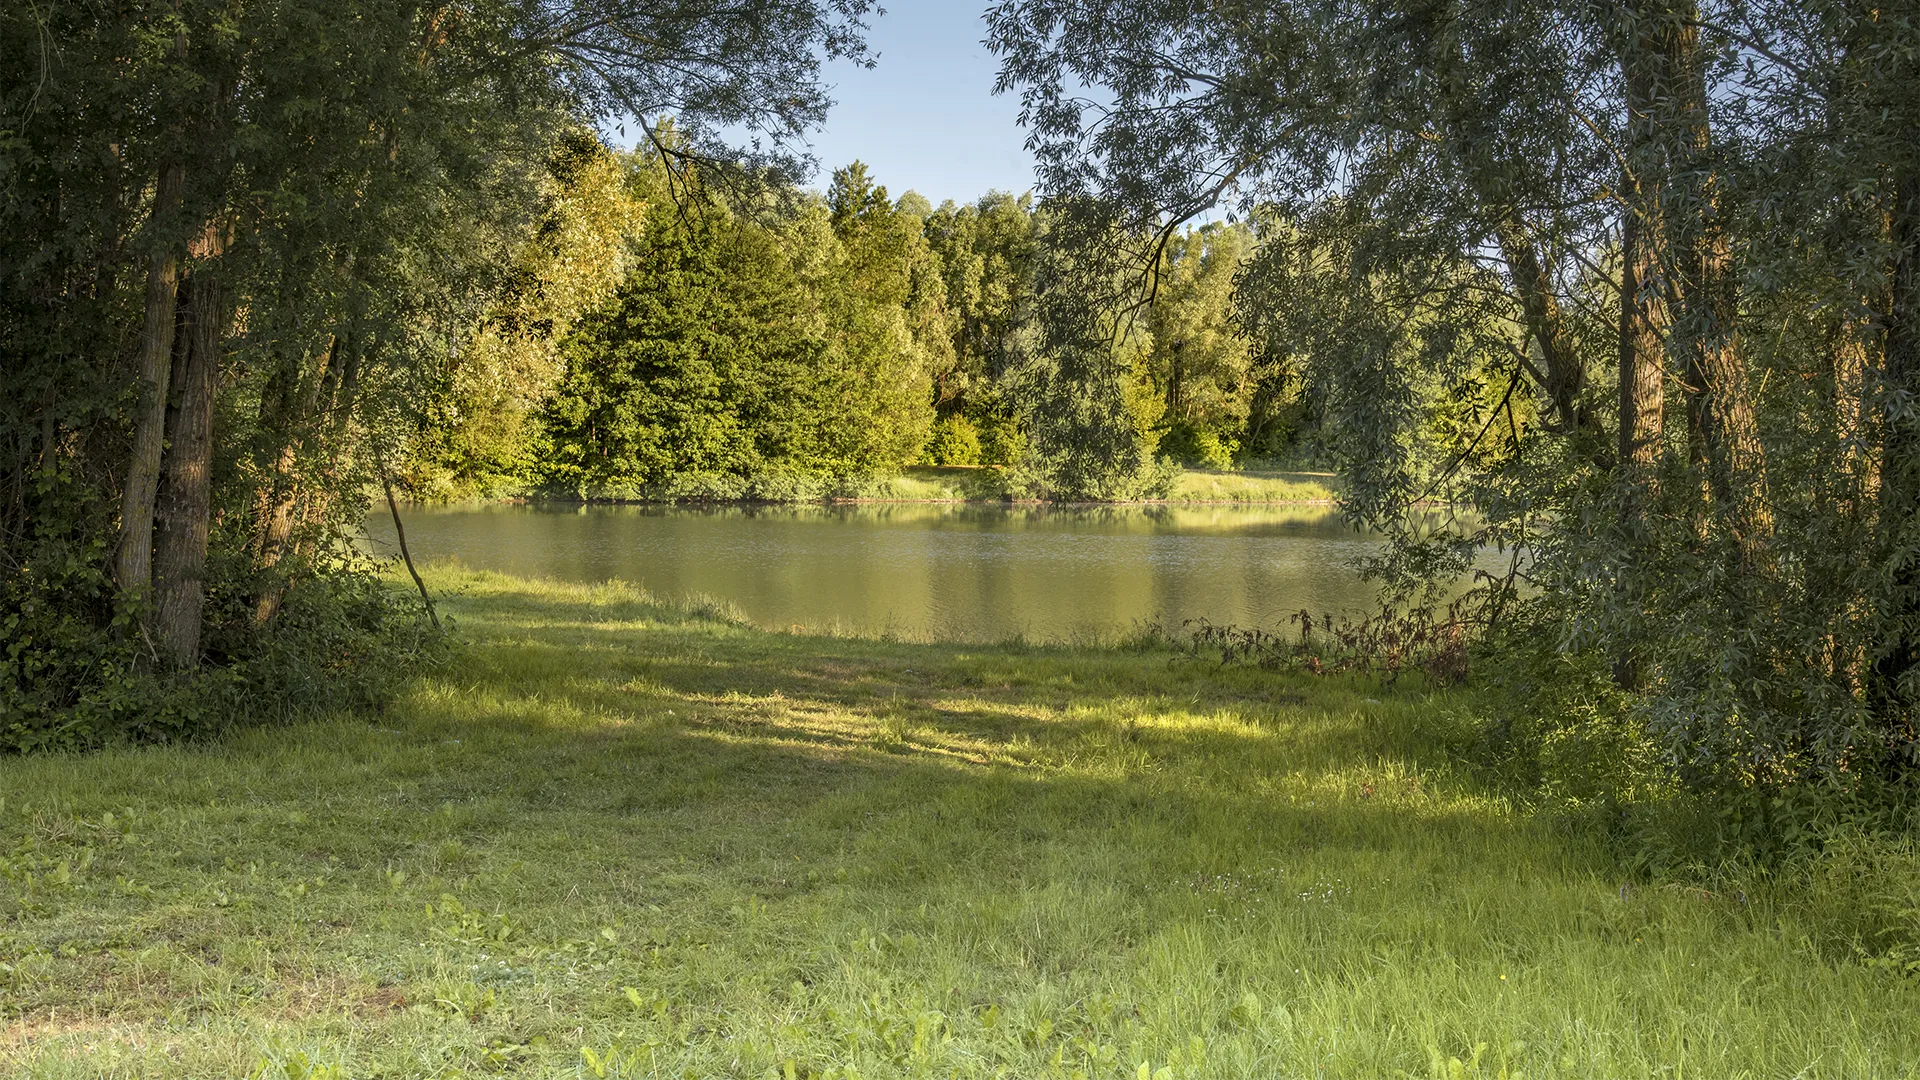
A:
x: 1682, y: 235
x: 240, y: 241
x: 787, y: 347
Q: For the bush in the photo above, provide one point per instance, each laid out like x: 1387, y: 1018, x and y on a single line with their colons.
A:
x: 1199, y: 447
x: 953, y: 441
x: 340, y: 641
x: 996, y: 417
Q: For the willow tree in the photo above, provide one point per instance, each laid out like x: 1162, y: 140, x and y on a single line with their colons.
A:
x: 1693, y: 221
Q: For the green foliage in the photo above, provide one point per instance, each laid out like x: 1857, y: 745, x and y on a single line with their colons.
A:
x: 342, y: 642
x: 833, y: 332
x: 1862, y: 897
x: 1200, y: 367
x: 477, y: 431
x: 364, y: 223
x: 986, y: 251
x: 700, y: 367
x: 1088, y: 435
x: 1634, y: 286
x: 735, y: 354
x: 1200, y: 447
x: 953, y: 441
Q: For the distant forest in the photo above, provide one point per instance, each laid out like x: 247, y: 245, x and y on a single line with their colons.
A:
x: 655, y: 340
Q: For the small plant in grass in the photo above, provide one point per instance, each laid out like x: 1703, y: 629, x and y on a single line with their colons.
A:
x: 896, y: 729
x: 296, y: 1065
x: 1432, y: 640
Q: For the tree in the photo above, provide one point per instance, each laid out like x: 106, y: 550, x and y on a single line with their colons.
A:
x: 1610, y: 184
x: 240, y: 240
x: 1200, y: 363
x: 747, y: 350
x: 478, y: 425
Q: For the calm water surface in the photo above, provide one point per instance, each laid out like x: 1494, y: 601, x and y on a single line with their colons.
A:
x: 957, y: 572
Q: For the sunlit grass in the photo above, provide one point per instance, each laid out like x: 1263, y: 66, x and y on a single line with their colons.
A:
x: 1193, y: 486
x: 1204, y: 486
x: 616, y: 838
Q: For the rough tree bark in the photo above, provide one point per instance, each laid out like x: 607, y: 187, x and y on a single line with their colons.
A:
x: 292, y: 413
x: 1641, y: 382
x: 1720, y: 415
x: 133, y: 560
x: 337, y: 400
x: 186, y: 503
x: 1540, y: 307
x: 1642, y: 378
x: 1494, y: 184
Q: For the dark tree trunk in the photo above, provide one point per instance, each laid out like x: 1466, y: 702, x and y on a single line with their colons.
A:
x: 1642, y: 387
x: 1642, y: 378
x: 337, y: 398
x: 133, y: 561
x: 1642, y: 368
x: 1494, y: 185
x: 292, y: 418
x: 1723, y: 428
x: 1900, y: 454
x: 1540, y: 307
x: 186, y: 505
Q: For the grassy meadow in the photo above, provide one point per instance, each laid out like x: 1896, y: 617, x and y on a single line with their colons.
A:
x: 616, y: 838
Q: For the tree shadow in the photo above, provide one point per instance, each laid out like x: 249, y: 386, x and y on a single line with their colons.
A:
x: 744, y: 730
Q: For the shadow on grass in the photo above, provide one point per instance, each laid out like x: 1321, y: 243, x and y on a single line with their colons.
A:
x: 563, y: 709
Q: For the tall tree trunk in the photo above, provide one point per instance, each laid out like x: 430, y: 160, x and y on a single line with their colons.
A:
x: 186, y: 503
x: 1642, y: 348
x: 1900, y: 453
x: 338, y: 397
x: 1540, y: 308
x: 1642, y: 382
x: 292, y: 419
x: 1720, y: 412
x: 1642, y: 375
x: 133, y: 561
x: 1494, y: 184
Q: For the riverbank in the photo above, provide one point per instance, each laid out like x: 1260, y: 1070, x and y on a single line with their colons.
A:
x: 961, y: 484
x: 616, y: 838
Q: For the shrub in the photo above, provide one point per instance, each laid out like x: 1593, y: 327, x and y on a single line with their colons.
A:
x: 953, y: 441
x: 1200, y: 447
x: 340, y: 641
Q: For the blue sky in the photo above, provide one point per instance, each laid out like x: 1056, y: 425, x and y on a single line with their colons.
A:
x: 925, y: 118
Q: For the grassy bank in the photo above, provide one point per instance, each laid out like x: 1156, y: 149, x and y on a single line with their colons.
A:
x: 1194, y: 486
x: 932, y: 483
x: 1207, y: 486
x: 618, y: 839
x: 942, y: 484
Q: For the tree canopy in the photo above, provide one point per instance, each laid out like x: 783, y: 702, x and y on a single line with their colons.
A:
x: 1651, y: 262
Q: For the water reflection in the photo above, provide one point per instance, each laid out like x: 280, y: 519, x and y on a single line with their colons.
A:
x: 922, y: 571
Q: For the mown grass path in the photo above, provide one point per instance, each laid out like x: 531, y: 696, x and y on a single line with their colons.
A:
x: 613, y: 840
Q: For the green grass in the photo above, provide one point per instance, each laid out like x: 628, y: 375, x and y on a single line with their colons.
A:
x: 1205, y: 486
x: 947, y: 484
x: 932, y: 483
x: 617, y: 839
